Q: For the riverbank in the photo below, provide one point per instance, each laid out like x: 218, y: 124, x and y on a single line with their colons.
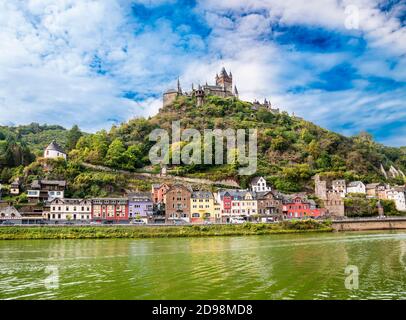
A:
x: 107, y: 232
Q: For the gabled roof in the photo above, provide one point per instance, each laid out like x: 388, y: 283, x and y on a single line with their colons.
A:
x: 69, y: 200
x: 9, y: 212
x: 263, y: 194
x: 146, y: 196
x: 354, y: 183
x: 55, y: 146
x: 61, y: 183
x: 180, y: 186
x: 256, y: 179
x: 374, y: 185
x: 202, y: 194
x: 236, y: 194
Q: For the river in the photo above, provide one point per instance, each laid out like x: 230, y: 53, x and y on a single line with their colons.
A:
x: 298, y: 266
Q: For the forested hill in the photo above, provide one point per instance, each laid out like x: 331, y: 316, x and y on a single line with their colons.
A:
x: 290, y: 150
x: 21, y: 145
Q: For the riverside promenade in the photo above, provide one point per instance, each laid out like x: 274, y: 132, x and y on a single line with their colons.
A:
x: 360, y: 224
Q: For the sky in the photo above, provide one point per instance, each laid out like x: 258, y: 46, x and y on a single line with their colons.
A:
x: 340, y: 64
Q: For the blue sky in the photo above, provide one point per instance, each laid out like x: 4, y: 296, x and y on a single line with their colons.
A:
x: 340, y: 64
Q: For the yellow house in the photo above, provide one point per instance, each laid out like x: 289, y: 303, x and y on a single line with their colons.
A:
x: 203, y: 207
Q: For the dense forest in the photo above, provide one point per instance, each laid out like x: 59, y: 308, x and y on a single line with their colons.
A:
x: 290, y: 150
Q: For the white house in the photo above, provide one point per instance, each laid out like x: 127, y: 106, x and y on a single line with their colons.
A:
x: 356, y: 187
x: 237, y: 203
x: 397, y: 194
x: 258, y: 184
x: 54, y: 151
x: 69, y: 209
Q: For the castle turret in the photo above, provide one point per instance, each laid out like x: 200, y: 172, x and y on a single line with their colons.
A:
x: 199, y: 93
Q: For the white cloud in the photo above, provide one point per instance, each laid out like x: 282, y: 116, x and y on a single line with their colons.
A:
x: 70, y: 61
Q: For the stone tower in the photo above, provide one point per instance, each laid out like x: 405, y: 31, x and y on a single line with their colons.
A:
x: 199, y: 93
x: 225, y: 80
x: 170, y: 95
x: 320, y: 187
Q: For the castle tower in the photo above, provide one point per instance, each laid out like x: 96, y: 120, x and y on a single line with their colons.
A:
x: 199, y: 93
x: 224, y: 80
x: 170, y: 95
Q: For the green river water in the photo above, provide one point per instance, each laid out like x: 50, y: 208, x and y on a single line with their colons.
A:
x: 297, y: 266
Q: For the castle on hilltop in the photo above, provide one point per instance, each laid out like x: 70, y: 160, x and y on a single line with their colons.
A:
x: 223, y: 88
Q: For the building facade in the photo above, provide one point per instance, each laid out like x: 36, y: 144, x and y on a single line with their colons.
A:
x: 334, y: 204
x: 46, y: 190
x: 69, y: 210
x: 113, y: 210
x: 177, y: 202
x: 54, y: 151
x: 270, y: 206
x: 356, y: 187
x: 300, y: 207
x: 398, y: 195
x: 258, y: 184
x: 202, y: 207
x: 158, y: 192
x: 237, y: 203
x: 340, y: 187
x: 140, y: 206
x: 15, y: 187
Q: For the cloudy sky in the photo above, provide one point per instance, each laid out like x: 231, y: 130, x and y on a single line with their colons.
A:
x: 340, y: 64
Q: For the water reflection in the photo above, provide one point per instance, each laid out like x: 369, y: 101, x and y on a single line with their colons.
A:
x: 309, y: 266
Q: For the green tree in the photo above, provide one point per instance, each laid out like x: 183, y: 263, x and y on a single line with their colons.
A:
x: 116, y: 154
x: 133, y: 157
x: 73, y: 136
x: 6, y: 175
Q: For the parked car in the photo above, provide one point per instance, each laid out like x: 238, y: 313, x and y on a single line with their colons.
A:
x: 95, y: 222
x: 137, y: 221
x: 68, y: 222
x: 237, y: 220
x: 207, y: 222
x: 107, y: 222
x: 179, y: 221
x: 8, y: 223
x: 42, y: 222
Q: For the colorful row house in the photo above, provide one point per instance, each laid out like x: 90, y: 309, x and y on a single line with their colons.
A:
x: 69, y: 209
x: 114, y: 210
x: 270, y: 206
x: 237, y: 204
x: 177, y: 203
x: 300, y: 207
x: 158, y: 192
x: 204, y: 207
x: 140, y: 206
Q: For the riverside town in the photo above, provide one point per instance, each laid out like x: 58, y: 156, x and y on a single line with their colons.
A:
x: 163, y: 151
x: 185, y: 203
